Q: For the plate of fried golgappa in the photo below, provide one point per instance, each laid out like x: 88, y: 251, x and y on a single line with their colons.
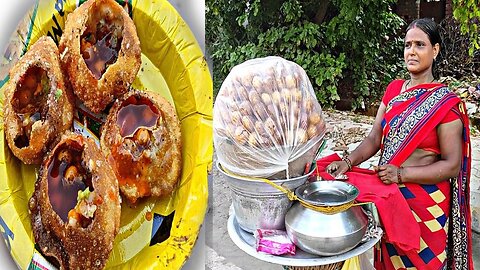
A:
x: 106, y: 118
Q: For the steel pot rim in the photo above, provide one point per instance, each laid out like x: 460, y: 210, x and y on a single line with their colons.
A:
x: 350, y: 192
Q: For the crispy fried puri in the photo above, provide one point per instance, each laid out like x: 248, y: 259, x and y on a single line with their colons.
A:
x: 100, y: 51
x: 75, y: 208
x: 141, y: 139
x: 38, y: 102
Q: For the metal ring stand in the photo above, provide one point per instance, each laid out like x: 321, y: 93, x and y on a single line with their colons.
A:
x: 301, y: 260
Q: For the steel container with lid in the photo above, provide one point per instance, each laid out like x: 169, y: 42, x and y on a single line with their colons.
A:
x: 259, y: 205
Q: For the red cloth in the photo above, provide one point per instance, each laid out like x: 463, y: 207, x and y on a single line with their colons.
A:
x: 395, y: 214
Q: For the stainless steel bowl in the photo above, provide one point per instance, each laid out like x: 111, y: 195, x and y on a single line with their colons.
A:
x: 258, y: 204
x: 327, y: 193
x: 326, y: 234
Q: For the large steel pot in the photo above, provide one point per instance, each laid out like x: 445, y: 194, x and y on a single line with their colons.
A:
x: 326, y: 234
x: 258, y: 204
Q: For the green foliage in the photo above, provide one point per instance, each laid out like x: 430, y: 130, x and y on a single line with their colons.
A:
x: 352, y: 53
x: 366, y: 32
x: 467, y: 12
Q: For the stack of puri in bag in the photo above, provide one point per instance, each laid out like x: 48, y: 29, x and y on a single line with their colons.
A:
x: 267, y: 120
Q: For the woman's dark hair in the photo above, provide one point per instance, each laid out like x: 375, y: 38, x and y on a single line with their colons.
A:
x: 429, y: 27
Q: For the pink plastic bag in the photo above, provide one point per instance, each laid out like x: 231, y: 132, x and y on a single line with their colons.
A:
x: 273, y: 242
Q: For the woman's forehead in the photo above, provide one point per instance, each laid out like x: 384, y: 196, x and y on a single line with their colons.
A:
x: 416, y: 34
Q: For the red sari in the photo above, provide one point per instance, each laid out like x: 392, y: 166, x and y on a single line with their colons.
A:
x: 442, y: 211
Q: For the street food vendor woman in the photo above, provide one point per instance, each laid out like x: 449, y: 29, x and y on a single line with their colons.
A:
x: 421, y: 129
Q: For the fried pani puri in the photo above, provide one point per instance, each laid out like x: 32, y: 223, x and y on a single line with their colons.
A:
x: 142, y: 141
x: 75, y: 208
x: 100, y: 51
x: 38, y: 102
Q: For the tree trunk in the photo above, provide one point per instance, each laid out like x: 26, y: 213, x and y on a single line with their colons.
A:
x: 321, y: 12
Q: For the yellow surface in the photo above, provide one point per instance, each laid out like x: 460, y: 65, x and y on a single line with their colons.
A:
x: 352, y: 264
x: 174, y: 66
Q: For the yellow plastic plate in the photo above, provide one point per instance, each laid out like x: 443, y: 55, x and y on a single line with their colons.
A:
x: 157, y: 233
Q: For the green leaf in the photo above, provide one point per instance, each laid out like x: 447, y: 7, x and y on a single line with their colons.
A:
x: 83, y: 195
x: 58, y: 94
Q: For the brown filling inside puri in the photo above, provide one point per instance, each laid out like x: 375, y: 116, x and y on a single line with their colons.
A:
x: 29, y: 102
x: 101, y: 41
x: 136, y: 119
x: 67, y: 177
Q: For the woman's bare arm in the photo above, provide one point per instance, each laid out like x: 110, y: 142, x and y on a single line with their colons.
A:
x: 448, y: 166
x: 450, y: 140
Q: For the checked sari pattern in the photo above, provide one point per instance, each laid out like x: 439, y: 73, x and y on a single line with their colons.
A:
x: 442, y: 211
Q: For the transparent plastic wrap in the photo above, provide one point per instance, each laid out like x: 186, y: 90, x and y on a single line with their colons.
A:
x: 267, y: 120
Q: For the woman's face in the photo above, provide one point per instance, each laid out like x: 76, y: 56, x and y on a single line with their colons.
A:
x: 418, y: 52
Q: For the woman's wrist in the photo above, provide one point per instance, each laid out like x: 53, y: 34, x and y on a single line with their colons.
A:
x: 348, y: 161
x: 400, y: 177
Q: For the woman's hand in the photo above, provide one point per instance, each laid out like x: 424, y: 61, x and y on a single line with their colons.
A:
x: 337, y: 168
x: 388, y: 173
